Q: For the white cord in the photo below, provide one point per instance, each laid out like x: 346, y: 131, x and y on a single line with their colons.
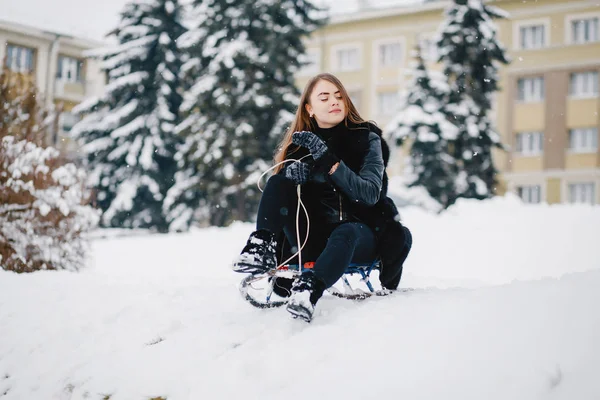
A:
x: 275, y: 166
x: 298, y: 192
x: 300, y: 204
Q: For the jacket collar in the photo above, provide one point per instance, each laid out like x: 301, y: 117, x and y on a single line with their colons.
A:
x: 345, y: 127
x: 328, y: 133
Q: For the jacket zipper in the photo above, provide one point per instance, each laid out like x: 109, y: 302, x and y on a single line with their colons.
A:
x: 341, y: 209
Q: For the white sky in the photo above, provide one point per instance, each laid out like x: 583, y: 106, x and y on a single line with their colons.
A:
x: 86, y: 18
x: 92, y: 18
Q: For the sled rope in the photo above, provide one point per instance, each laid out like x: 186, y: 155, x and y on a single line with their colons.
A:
x: 300, y: 204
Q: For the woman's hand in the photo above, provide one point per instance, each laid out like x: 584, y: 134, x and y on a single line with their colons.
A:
x: 324, y: 159
x: 310, y: 141
x: 298, y: 172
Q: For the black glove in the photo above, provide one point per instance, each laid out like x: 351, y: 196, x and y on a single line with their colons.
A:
x: 298, y: 172
x: 310, y: 141
x: 324, y: 158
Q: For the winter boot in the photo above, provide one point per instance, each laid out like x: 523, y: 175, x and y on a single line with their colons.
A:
x: 282, y: 287
x: 259, y: 254
x: 306, y: 291
x: 391, y: 273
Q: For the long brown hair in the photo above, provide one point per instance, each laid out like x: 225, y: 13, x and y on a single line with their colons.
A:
x: 303, y: 122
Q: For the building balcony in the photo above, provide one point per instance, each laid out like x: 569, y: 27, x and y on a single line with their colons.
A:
x: 21, y: 78
x: 524, y: 163
x: 72, y: 91
x: 582, y: 112
x: 529, y: 116
x: 581, y: 160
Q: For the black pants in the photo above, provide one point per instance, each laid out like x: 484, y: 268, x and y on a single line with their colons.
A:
x: 331, y: 246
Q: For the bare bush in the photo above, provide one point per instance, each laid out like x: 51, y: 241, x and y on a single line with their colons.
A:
x: 43, y: 201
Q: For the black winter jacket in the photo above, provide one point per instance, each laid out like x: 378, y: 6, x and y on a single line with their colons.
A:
x: 357, y: 191
x: 357, y: 182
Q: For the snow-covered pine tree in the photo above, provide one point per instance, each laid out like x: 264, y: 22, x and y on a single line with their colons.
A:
x: 421, y: 122
x: 470, y: 53
x: 241, y: 95
x: 43, y: 211
x: 128, y: 133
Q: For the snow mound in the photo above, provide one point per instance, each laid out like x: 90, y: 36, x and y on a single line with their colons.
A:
x: 504, y: 307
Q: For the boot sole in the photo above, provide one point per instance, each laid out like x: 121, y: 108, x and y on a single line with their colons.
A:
x: 298, y: 311
x: 247, y: 269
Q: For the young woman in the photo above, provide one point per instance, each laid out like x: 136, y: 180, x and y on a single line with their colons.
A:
x: 339, y: 160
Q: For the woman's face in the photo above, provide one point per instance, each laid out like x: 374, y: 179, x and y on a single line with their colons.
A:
x: 326, y: 105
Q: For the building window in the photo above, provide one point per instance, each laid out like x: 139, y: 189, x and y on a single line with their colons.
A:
x: 584, y: 140
x: 311, y: 62
x: 69, y: 69
x: 585, y: 30
x: 388, y: 103
x: 531, y: 89
x: 428, y: 49
x: 348, y: 59
x: 390, y: 54
x: 67, y: 121
x: 532, y: 37
x: 530, y: 194
x: 582, y: 193
x: 530, y: 143
x: 584, y: 84
x: 19, y: 59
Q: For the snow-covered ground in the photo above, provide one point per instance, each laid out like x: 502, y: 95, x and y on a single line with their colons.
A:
x: 506, y: 307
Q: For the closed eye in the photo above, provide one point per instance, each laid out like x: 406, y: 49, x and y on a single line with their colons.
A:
x: 325, y: 98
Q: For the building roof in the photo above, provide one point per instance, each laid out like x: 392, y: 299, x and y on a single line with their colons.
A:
x: 377, y: 9
x: 48, y: 35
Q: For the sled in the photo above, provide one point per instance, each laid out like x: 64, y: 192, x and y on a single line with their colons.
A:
x: 257, y: 289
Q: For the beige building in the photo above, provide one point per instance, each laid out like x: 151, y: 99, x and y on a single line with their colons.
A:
x: 547, y: 109
x: 57, y: 65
